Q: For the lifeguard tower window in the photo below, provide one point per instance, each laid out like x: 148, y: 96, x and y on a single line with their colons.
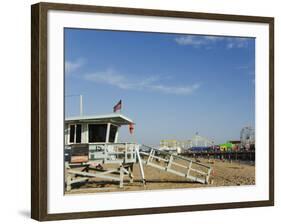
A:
x: 75, y: 133
x: 97, y: 132
x: 72, y: 133
x: 78, y: 133
x: 112, y: 133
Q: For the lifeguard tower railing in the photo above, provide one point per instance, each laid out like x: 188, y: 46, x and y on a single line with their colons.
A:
x: 120, y: 153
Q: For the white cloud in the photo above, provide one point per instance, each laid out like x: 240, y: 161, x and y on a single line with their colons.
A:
x: 207, y: 41
x: 151, y: 83
x: 111, y: 78
x: 179, y: 90
x: 71, y: 66
x: 190, y: 40
x: 213, y: 38
x: 237, y: 42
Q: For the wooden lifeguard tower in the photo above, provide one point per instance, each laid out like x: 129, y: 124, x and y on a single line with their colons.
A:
x: 90, y: 142
x: 92, y: 151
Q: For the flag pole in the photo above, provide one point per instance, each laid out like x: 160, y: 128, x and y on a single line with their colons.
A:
x: 120, y: 112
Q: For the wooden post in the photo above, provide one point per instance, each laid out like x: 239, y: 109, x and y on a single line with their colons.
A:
x: 116, y: 135
x: 140, y: 164
x: 150, y: 156
x: 170, y: 162
x: 68, y: 182
x: 121, y: 176
x: 131, y: 173
x: 208, y: 175
x: 107, y: 133
x: 189, y: 167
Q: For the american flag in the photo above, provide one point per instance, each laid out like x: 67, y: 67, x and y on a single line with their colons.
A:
x: 118, y: 106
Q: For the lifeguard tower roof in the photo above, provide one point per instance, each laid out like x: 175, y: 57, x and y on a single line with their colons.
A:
x: 117, y: 119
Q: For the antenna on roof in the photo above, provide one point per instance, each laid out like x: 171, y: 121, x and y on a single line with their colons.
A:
x: 81, y: 105
x: 80, y: 102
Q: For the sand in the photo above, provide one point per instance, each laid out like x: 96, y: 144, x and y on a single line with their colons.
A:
x: 224, y: 173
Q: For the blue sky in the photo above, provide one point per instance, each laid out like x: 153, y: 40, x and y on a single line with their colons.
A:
x: 171, y: 85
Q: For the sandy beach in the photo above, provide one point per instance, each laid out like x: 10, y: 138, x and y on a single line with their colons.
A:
x: 224, y: 173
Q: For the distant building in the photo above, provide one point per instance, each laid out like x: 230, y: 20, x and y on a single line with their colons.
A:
x: 196, y: 143
x: 226, y: 146
x: 200, y: 143
x: 171, y: 145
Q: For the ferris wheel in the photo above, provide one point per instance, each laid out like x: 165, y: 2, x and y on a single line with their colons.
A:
x: 247, y: 136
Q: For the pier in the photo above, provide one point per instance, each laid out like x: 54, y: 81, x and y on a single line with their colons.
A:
x: 223, y: 155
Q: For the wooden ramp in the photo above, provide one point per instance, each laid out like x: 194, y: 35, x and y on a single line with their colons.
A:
x: 175, y: 164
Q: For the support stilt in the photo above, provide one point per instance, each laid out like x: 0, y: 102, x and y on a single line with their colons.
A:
x: 141, y: 167
x: 121, y: 176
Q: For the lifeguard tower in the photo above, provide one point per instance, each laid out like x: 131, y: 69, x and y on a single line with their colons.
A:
x: 91, y: 141
x: 92, y: 151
